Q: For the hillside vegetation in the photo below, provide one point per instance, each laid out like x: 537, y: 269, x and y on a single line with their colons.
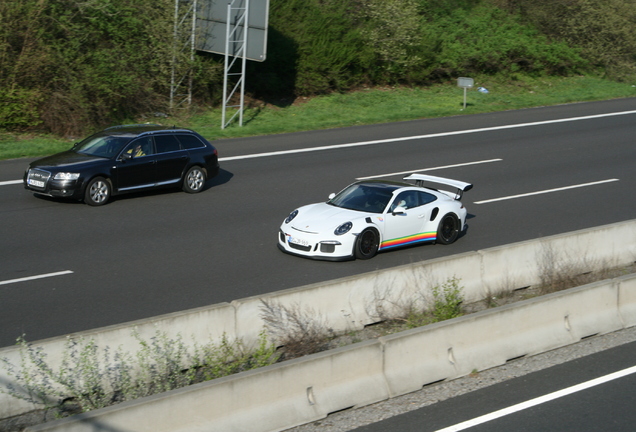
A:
x: 68, y: 67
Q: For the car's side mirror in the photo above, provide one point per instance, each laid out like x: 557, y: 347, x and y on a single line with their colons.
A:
x: 398, y: 210
x: 332, y: 195
x: 125, y: 157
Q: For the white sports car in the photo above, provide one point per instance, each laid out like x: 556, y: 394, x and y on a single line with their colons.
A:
x: 372, y: 215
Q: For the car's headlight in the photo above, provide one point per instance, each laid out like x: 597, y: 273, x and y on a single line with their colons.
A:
x: 291, y: 216
x: 66, y: 176
x: 343, y: 229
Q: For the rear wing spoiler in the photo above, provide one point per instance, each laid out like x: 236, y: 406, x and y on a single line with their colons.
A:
x: 461, y: 186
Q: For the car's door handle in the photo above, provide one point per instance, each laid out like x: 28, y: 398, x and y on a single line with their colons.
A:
x: 421, y: 216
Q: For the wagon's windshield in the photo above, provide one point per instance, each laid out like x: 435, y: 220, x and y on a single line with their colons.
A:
x: 369, y: 198
x: 102, y: 146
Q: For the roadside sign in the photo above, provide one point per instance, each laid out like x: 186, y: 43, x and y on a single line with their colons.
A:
x: 465, y: 83
x: 212, y: 24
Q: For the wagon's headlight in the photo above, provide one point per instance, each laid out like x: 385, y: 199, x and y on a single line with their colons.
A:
x: 291, y: 216
x: 66, y: 176
x: 343, y: 229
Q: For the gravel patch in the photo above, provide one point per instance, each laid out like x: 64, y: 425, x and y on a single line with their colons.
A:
x: 354, y: 418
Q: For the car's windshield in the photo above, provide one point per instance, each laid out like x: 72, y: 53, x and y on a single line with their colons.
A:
x: 370, y: 198
x: 102, y: 146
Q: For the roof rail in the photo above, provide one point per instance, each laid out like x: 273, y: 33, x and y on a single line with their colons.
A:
x: 132, y: 125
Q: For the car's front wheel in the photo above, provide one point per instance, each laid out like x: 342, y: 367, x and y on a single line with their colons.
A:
x: 367, y: 244
x: 448, y: 229
x: 194, y: 180
x: 97, y: 192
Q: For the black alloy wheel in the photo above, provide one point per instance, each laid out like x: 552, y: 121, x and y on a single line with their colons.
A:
x: 448, y: 229
x: 367, y: 244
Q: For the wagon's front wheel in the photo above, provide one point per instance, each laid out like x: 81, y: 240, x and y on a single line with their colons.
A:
x: 97, y: 192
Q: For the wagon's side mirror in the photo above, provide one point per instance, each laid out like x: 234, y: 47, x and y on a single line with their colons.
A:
x: 125, y: 156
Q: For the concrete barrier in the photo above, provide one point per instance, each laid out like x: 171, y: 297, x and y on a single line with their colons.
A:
x: 627, y: 300
x: 350, y: 303
x: 267, y: 399
x: 307, y: 389
x: 492, y: 337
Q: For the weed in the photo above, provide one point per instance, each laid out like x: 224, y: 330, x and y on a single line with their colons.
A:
x: 297, y: 331
x: 89, y: 377
x: 448, y: 300
x: 560, y: 270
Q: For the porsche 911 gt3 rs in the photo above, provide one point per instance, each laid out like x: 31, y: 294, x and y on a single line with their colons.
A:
x: 372, y: 215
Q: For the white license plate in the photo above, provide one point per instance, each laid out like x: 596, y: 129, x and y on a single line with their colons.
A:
x: 36, y: 183
x: 297, y: 241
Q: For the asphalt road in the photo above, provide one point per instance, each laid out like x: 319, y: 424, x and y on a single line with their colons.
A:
x: 149, y: 254
x: 593, y: 393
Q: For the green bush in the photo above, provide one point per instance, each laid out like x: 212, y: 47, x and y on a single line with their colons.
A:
x: 19, y: 108
x: 73, y: 66
x: 488, y: 40
x: 603, y: 30
x: 447, y: 300
x: 92, y: 63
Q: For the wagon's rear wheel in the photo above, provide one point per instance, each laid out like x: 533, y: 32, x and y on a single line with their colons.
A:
x: 194, y: 180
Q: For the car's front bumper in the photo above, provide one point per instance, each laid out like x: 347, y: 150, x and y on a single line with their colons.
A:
x: 311, y: 246
x: 38, y: 182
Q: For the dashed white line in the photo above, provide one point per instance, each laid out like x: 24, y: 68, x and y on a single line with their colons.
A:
x: 10, y: 182
x: 537, y: 401
x: 545, y: 191
x: 42, y: 276
x: 430, y: 169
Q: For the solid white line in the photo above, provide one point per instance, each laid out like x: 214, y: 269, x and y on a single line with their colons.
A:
x: 545, y: 191
x: 10, y: 182
x: 35, y: 277
x: 416, y: 137
x: 430, y: 169
x: 537, y: 401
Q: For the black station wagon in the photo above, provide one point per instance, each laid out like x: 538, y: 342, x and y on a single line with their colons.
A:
x: 124, y: 159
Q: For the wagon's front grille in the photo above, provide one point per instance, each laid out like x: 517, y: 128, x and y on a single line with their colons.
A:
x: 38, y: 179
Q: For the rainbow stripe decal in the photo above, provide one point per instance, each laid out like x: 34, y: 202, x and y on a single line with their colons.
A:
x: 415, y: 238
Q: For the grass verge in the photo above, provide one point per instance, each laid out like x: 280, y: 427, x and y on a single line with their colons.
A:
x: 362, y: 107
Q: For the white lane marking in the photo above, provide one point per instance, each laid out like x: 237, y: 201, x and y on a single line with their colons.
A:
x: 545, y: 191
x: 35, y: 277
x: 10, y: 182
x: 416, y: 137
x: 537, y: 401
x: 430, y: 169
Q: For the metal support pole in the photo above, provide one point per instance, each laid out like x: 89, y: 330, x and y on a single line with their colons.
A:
x: 226, y: 64
x: 246, y: 32
x: 237, y: 42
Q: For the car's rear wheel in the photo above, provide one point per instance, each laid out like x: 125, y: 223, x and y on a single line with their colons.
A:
x: 194, y: 180
x: 448, y: 229
x: 97, y: 192
x: 367, y: 244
